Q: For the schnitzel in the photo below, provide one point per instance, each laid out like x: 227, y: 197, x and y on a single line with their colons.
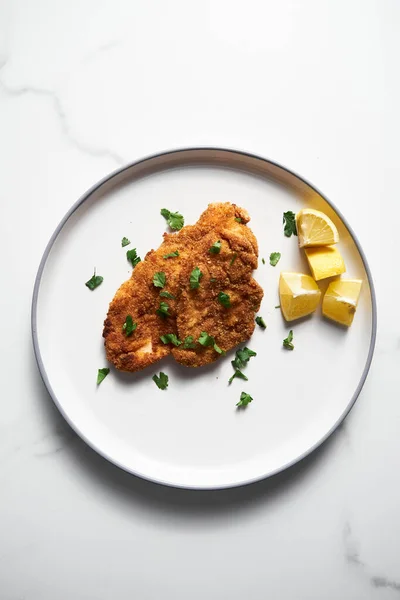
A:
x: 204, y: 291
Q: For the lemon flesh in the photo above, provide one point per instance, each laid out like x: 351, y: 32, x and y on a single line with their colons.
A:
x: 341, y: 299
x: 314, y: 228
x: 299, y: 295
x: 325, y: 261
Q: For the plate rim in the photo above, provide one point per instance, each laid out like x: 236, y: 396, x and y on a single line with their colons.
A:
x: 42, y: 369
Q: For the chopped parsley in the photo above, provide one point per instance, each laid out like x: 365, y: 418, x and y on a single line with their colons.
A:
x: 188, y: 342
x: 278, y: 306
x: 274, y: 258
x: 208, y: 340
x: 133, y: 258
x: 170, y: 338
x: 161, y: 381
x: 260, y: 321
x: 234, y: 257
x: 171, y: 254
x: 174, y: 219
x: 94, y: 281
x: 129, y: 326
x: 238, y: 220
x: 167, y: 295
x: 215, y: 248
x: 163, y: 309
x: 287, y: 342
x: 238, y: 374
x: 102, y: 374
x: 289, y: 220
x: 195, y: 277
x: 242, y: 357
x: 159, y: 279
x: 224, y: 299
x: 263, y: 261
x: 125, y: 242
x: 245, y: 399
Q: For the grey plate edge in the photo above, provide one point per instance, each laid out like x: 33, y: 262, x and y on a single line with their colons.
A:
x: 109, y: 177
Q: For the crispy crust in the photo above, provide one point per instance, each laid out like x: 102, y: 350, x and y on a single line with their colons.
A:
x: 192, y: 311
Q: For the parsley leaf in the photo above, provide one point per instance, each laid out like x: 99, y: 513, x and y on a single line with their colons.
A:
x: 195, y: 277
x: 174, y: 219
x: 278, y: 306
x: 238, y: 220
x: 125, y: 242
x: 245, y: 399
x: 238, y: 374
x: 102, y: 374
x: 215, y: 248
x: 162, y: 311
x: 188, y: 342
x: 243, y: 356
x: 94, y: 281
x: 171, y: 254
x: 159, y: 279
x: 287, y: 342
x: 208, y: 340
x: 234, y: 257
x: 260, y: 321
x: 263, y: 261
x: 167, y: 295
x: 170, y: 338
x: 289, y: 220
x: 224, y: 299
x: 161, y: 381
x: 133, y: 258
x: 274, y: 258
x: 129, y: 326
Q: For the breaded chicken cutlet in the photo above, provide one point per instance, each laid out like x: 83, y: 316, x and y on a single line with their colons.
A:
x: 191, y: 311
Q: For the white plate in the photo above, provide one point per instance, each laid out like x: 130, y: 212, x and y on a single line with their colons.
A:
x: 192, y: 435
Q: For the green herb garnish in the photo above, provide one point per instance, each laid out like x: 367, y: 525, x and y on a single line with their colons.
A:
x: 171, y: 254
x: 263, y: 261
x: 195, y: 277
x: 239, y: 375
x: 274, y: 258
x: 188, y: 342
x: 161, y: 381
x: 245, y: 399
x: 94, y: 281
x: 289, y: 220
x: 170, y: 338
x: 260, y: 321
x: 129, y: 326
x: 133, y: 258
x: 234, y: 257
x: 278, y: 306
x: 102, y: 374
x: 215, y: 248
x: 162, y: 311
x: 125, y: 242
x: 242, y: 357
x: 287, y: 342
x: 208, y: 340
x: 224, y: 299
x: 238, y: 220
x: 159, y: 279
x: 167, y: 295
x: 174, y: 219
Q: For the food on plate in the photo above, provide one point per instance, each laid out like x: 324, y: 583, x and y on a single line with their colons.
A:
x: 197, y: 286
x: 314, y: 228
x: 274, y: 258
x: 241, y: 359
x: 125, y: 242
x: 289, y: 222
x: 288, y: 342
x: 245, y: 399
x: 299, y: 295
x: 102, y: 374
x: 261, y: 323
x: 94, y: 281
x: 325, y: 261
x: 341, y: 299
x: 161, y: 380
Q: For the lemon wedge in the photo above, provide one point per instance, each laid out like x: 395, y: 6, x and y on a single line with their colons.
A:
x: 341, y: 299
x: 314, y: 228
x: 325, y: 261
x: 299, y: 295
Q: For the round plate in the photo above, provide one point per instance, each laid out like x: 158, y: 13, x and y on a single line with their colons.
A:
x: 192, y: 435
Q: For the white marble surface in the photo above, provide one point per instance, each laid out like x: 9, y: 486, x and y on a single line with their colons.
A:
x: 86, y: 86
